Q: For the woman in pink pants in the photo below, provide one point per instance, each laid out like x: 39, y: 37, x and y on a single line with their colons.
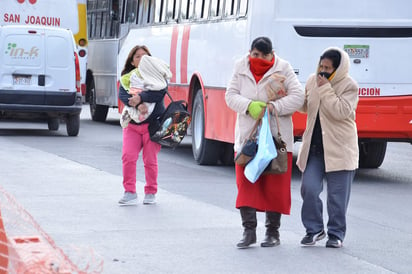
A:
x: 136, y: 136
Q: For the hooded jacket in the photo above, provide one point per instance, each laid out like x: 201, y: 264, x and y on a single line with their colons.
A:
x: 243, y: 89
x: 336, y: 104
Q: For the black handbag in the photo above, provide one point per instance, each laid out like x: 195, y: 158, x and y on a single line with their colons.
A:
x: 171, y: 127
x: 249, y: 148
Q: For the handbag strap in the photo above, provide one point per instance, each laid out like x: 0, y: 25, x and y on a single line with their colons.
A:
x: 277, y: 120
x: 254, y: 129
x: 168, y: 94
x: 257, y: 123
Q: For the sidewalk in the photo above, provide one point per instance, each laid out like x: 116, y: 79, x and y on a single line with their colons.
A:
x: 77, y: 205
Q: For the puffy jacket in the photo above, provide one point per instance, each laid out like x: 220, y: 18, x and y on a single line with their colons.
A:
x: 336, y: 103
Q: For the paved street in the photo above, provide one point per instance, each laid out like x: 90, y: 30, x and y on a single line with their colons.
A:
x: 191, y: 232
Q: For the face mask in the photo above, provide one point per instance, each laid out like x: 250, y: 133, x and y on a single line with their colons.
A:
x: 325, y: 74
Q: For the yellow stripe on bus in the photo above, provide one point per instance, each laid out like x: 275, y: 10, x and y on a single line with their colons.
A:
x: 82, y: 15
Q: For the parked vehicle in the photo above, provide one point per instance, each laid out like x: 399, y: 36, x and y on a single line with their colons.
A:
x: 39, y: 76
x: 68, y: 14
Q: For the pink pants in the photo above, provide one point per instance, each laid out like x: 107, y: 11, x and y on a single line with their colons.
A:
x: 136, y: 138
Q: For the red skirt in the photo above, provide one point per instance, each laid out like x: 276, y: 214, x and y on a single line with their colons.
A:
x: 269, y: 193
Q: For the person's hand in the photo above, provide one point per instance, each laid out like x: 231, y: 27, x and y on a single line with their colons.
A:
x: 134, y: 100
x: 142, y: 108
x: 255, y: 109
x: 321, y: 80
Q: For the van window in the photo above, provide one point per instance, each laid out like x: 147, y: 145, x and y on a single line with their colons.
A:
x: 57, y: 49
x: 20, y: 52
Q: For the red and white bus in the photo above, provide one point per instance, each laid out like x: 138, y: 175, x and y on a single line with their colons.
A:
x: 202, y: 39
x: 69, y: 14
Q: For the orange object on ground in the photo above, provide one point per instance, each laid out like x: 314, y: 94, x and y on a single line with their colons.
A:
x: 34, y: 255
x: 4, y: 250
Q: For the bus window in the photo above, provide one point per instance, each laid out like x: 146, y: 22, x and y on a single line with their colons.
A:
x: 183, y: 9
x: 131, y: 11
x: 171, y: 12
x: 186, y: 9
x: 215, y: 8
x: 91, y: 4
x: 98, y: 25
x: 148, y: 14
x: 145, y: 14
x: 201, y: 9
x: 242, y: 8
x: 112, y: 30
x: 105, y: 23
x: 230, y: 8
x: 236, y: 8
x: 159, y: 13
x: 91, y: 17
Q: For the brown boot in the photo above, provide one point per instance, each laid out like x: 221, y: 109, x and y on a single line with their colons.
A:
x: 272, y: 229
x: 249, y: 223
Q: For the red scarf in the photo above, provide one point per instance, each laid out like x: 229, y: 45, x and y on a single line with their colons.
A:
x: 259, y: 67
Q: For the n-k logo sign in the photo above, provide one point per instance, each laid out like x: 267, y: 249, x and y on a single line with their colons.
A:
x: 20, y: 53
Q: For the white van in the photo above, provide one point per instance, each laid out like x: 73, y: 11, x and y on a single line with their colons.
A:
x: 39, y: 76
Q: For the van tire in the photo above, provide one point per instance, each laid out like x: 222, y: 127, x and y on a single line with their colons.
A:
x: 53, y: 123
x: 97, y: 112
x: 73, y: 124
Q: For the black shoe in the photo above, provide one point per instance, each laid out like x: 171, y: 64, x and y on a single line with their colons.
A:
x: 312, y: 238
x: 334, y: 242
x: 249, y: 238
x: 270, y: 241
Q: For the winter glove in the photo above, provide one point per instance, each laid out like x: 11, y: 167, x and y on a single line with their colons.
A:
x: 255, y: 109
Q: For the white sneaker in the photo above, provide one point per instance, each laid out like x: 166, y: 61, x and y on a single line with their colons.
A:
x: 149, y: 199
x: 129, y: 198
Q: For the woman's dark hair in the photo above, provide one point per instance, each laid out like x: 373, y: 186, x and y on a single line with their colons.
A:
x: 262, y: 44
x: 332, y: 55
x: 128, y: 67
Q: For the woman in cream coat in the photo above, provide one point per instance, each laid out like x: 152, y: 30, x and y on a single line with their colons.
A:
x: 247, y: 96
x: 329, y: 147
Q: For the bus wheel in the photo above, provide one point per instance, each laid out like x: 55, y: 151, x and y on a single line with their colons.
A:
x: 227, y: 154
x: 205, y: 151
x: 73, y: 124
x: 53, y: 123
x: 371, y: 154
x: 97, y: 112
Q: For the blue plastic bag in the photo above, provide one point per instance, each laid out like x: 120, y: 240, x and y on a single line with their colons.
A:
x: 265, y: 153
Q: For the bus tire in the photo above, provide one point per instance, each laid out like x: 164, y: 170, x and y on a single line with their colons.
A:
x: 205, y: 151
x: 97, y: 112
x: 53, y: 123
x: 371, y: 153
x: 89, y: 79
x: 73, y: 124
x: 227, y: 156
